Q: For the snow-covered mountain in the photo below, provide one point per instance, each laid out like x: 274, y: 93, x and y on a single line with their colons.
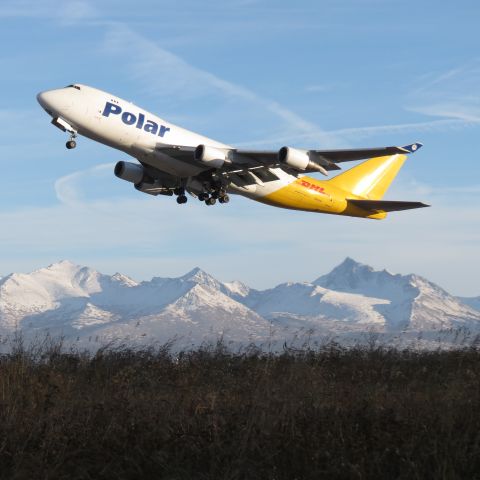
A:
x: 352, y: 299
x: 412, y: 302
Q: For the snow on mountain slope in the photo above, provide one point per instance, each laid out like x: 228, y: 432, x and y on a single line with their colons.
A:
x: 353, y: 298
x: 201, y: 314
x: 72, y: 300
x: 412, y: 301
x: 353, y: 277
x: 236, y: 289
x: 58, y: 288
x: 308, y: 300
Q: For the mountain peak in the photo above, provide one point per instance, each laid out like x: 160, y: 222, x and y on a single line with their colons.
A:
x: 62, y: 264
x: 350, y: 261
x: 198, y: 275
x: 349, y: 272
x: 350, y: 276
x: 195, y: 271
x: 123, y: 279
x: 349, y: 264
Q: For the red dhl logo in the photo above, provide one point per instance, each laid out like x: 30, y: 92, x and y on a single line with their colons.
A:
x: 311, y: 186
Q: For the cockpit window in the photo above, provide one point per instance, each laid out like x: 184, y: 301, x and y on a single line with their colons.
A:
x: 73, y: 86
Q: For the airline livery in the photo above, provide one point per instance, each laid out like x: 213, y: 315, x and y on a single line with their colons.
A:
x: 175, y: 161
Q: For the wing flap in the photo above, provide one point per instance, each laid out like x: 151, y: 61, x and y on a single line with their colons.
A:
x: 385, y: 205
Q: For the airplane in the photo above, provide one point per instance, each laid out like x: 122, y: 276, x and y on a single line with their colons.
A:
x: 175, y: 161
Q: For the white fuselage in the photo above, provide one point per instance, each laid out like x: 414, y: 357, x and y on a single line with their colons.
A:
x: 122, y: 125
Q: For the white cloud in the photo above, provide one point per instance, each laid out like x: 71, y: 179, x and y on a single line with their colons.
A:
x: 175, y: 77
x: 257, y: 244
x: 452, y: 94
x: 66, y: 187
x: 345, y: 135
x: 139, y: 238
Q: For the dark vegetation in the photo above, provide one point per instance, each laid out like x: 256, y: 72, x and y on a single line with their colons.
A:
x: 331, y: 413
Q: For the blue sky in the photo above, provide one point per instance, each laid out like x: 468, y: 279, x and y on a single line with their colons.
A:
x: 313, y: 74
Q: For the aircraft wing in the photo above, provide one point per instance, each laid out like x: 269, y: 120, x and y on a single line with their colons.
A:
x: 247, y: 160
x: 339, y: 156
x: 330, y: 157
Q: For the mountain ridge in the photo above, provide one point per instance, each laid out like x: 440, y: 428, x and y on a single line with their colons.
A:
x: 353, y: 298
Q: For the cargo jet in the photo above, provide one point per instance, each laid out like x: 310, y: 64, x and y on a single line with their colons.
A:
x: 175, y: 161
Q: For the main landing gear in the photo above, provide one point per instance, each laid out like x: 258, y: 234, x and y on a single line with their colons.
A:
x: 71, y: 143
x: 211, y: 193
x: 221, y: 195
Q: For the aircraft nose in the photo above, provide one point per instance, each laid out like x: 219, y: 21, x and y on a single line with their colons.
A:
x: 54, y: 101
x: 43, y: 97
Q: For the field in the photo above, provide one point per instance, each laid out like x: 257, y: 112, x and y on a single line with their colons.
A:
x: 330, y: 413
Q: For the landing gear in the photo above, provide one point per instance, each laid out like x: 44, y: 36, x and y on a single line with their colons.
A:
x: 211, y: 187
x: 211, y: 199
x: 181, y: 197
x: 71, y: 143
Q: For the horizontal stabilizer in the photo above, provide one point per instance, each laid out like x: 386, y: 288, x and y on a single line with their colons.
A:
x: 385, y: 205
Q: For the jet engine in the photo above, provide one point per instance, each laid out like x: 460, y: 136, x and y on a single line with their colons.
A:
x: 131, y: 172
x: 299, y: 160
x: 211, y: 156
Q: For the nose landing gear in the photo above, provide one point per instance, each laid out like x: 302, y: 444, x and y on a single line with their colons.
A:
x: 71, y: 143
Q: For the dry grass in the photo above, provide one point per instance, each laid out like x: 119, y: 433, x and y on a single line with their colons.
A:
x: 333, y: 413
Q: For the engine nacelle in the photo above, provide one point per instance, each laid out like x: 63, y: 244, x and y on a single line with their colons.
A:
x: 131, y: 172
x: 211, y: 156
x: 299, y: 160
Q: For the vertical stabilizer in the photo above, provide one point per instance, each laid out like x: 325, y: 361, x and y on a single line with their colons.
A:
x: 371, y: 178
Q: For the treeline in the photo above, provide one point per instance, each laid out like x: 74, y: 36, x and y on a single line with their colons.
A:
x: 123, y: 413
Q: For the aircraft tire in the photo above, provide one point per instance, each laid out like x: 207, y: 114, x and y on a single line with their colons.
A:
x: 210, y: 201
x: 71, y: 144
x: 181, y: 199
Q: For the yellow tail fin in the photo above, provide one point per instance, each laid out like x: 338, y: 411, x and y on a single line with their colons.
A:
x: 371, y: 178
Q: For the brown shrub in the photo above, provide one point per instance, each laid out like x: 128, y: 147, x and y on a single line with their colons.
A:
x: 332, y: 413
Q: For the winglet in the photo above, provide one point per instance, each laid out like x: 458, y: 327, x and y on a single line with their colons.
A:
x: 412, y: 148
